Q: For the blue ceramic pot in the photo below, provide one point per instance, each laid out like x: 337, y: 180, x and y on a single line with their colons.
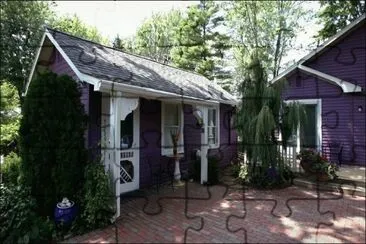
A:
x: 65, y: 215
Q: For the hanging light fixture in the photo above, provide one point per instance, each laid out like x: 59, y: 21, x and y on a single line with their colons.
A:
x: 199, y: 116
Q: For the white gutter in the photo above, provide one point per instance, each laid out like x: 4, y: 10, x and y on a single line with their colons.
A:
x: 107, y: 86
x: 346, y: 86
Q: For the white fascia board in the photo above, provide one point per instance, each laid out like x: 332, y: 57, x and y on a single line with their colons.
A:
x: 81, y: 76
x: 346, y: 86
x: 34, y: 64
x: 319, y: 49
x: 106, y: 86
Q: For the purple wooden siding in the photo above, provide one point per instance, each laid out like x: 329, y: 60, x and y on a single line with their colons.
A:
x: 341, y: 120
x: 346, y: 59
x: 228, y: 138
x: 150, y: 139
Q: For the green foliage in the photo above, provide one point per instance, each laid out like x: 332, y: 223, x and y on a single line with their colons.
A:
x: 313, y: 162
x: 97, y: 199
x: 243, y: 172
x: 75, y: 26
x: 337, y: 14
x: 52, y: 140
x: 259, y: 118
x: 9, y: 116
x: 21, y: 25
x: 235, y: 169
x: 10, y: 169
x: 268, y: 26
x: 199, y: 45
x: 18, y: 219
x: 154, y: 38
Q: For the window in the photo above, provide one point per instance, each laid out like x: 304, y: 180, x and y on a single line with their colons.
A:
x: 172, y: 123
x: 213, y: 127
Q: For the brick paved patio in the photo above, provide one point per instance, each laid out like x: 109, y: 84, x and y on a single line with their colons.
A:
x: 225, y: 217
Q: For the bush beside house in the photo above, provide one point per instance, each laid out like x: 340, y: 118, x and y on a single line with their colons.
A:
x: 53, y: 164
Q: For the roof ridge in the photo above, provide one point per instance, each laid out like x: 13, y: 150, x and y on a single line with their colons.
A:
x: 128, y: 53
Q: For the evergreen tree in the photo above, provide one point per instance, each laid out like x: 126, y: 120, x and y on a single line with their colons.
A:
x: 259, y: 117
x: 52, y: 140
x: 199, y: 45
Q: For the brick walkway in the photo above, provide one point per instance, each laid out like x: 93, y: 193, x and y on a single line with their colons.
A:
x: 219, y: 214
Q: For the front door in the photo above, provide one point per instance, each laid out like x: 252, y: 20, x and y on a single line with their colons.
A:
x: 129, y: 161
x: 308, y: 131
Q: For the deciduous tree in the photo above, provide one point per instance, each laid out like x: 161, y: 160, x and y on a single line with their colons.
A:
x: 336, y: 14
x: 21, y: 28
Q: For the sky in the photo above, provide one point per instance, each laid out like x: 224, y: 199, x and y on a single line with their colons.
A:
x: 124, y: 17
x: 112, y: 17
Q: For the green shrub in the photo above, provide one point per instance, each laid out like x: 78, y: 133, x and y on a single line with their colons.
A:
x: 243, y: 173
x: 10, y: 168
x: 18, y: 219
x: 263, y: 177
x: 235, y: 170
x: 98, y: 200
x: 52, y: 140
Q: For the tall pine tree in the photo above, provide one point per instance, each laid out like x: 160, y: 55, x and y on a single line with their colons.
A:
x: 199, y: 45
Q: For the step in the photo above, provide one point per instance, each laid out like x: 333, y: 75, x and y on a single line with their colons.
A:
x: 348, y: 188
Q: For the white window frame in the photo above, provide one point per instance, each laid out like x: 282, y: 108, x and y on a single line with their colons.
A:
x: 318, y: 118
x: 169, y: 151
x: 217, y: 143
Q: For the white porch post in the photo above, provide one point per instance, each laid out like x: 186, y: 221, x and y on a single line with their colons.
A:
x: 204, y: 146
x: 115, y: 111
x: 298, y: 139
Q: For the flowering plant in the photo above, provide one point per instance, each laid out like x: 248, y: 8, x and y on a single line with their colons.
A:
x: 314, y: 162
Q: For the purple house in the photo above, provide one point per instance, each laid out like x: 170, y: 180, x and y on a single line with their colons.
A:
x: 331, y: 83
x: 135, y: 105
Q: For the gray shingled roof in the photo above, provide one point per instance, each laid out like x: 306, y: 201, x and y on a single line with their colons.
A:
x: 110, y: 64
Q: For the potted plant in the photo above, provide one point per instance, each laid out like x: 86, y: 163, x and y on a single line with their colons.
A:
x: 316, y: 164
x: 307, y: 158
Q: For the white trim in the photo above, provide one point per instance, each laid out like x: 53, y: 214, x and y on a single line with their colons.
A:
x: 204, y: 146
x: 81, y: 76
x: 115, y: 145
x: 105, y: 85
x: 34, y: 65
x: 319, y: 49
x: 180, y: 149
x: 318, y: 103
x: 136, y: 144
x: 345, y: 85
x: 129, y: 105
x: 217, y: 144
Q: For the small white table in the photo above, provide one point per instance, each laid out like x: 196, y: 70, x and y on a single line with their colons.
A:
x: 177, y: 174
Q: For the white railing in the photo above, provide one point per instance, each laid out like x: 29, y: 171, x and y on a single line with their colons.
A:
x: 125, y: 177
x: 289, y: 157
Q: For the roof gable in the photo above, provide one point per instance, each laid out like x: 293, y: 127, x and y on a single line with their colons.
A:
x: 331, y: 43
x: 95, y: 63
